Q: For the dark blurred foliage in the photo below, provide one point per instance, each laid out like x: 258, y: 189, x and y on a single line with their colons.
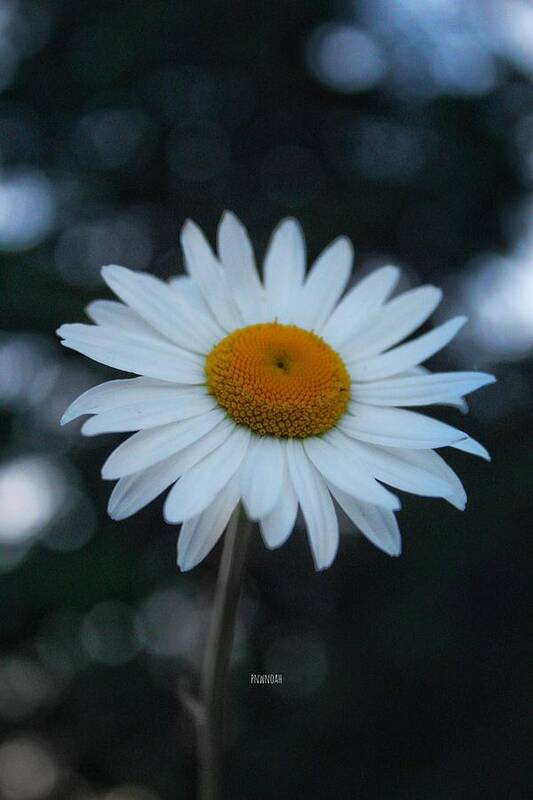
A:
x: 407, y: 126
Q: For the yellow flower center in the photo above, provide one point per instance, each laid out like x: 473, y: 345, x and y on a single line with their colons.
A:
x: 279, y: 380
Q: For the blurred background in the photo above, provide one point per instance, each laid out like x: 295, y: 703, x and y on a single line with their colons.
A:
x: 406, y: 125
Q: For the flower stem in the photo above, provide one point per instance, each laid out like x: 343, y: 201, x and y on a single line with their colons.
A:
x: 211, y: 701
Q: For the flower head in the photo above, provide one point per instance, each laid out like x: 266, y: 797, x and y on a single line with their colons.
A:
x: 282, y: 392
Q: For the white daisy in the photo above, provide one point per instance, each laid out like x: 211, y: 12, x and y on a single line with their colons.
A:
x: 280, y: 393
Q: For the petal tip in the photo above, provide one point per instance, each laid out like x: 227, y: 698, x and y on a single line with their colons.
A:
x: 108, y: 474
x: 228, y: 216
x: 322, y: 567
x: 112, y: 273
x: 395, y: 547
x: 87, y: 428
x: 170, y: 517
x: 392, y: 270
x: 291, y: 222
x: 188, y: 226
x: 230, y: 224
x: 344, y: 241
x: 184, y: 562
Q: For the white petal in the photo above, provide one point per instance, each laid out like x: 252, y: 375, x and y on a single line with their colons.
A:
x: 261, y: 475
x: 395, y: 427
x: 457, y: 402
x: 439, y: 387
x: 199, y: 535
x: 379, y: 525
x: 114, y: 394
x: 277, y: 526
x: 336, y: 459
x: 190, y: 293
x: 154, y: 444
x: 432, y: 462
x: 199, y: 485
x: 406, y: 355
x: 142, y: 355
x: 392, y: 323
x: 180, y: 405
x: 284, y: 269
x: 470, y: 445
x: 392, y: 466
x: 163, y: 309
x: 207, y: 274
x: 316, y: 504
x: 111, y: 314
x: 135, y: 491
x: 123, y: 329
x: 325, y: 283
x: 359, y: 304
x: 237, y: 256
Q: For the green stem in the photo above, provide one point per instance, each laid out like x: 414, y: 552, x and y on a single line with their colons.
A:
x: 210, y: 706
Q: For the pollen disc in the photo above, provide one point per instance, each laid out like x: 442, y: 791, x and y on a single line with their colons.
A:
x: 279, y: 380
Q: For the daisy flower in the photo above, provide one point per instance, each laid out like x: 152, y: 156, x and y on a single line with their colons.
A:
x: 282, y: 392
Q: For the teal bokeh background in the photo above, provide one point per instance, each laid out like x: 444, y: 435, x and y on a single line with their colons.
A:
x: 407, y: 127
